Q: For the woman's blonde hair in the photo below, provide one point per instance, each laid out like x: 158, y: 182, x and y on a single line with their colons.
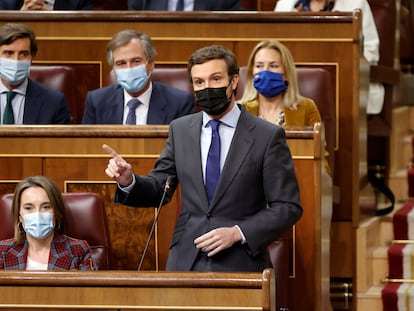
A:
x: 291, y: 97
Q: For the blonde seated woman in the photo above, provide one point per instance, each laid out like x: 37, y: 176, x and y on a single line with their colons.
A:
x: 271, y: 88
x: 39, y: 242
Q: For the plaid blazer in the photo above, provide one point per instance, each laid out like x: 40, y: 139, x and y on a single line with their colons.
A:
x: 65, y: 254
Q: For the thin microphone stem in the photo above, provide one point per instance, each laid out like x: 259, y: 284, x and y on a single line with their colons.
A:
x: 166, y: 187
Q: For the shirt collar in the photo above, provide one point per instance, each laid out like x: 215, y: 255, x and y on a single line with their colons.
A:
x: 144, y: 98
x: 21, y: 89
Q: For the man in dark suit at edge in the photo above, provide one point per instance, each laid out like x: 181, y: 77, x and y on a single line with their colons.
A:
x: 31, y: 102
x: 256, y: 198
x: 135, y: 99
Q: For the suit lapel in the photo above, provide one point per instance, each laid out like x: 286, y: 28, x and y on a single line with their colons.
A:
x: 157, y: 106
x: 115, y: 111
x: 33, y: 104
x: 156, y: 5
x: 16, y: 257
x: 60, y: 257
x: 199, y: 5
x: 14, y: 5
x: 241, y: 144
x: 194, y: 158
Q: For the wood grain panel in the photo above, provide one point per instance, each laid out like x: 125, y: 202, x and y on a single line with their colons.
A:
x: 326, y: 39
x: 319, y: 39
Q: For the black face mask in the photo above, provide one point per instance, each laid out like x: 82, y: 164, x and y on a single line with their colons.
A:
x: 213, y: 101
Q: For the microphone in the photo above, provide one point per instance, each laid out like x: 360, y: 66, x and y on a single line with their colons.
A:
x: 166, y: 188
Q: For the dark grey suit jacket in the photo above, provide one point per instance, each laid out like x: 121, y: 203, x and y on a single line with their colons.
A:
x: 44, y: 105
x: 199, y: 5
x: 106, y: 105
x: 258, y: 172
x: 59, y: 4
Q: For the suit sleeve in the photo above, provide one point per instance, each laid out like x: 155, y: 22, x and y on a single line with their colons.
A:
x: 87, y: 262
x: 62, y: 114
x: 89, y: 114
x: 85, y: 5
x: 135, y: 5
x: 282, y: 195
x: 234, y: 5
x: 11, y: 4
x: 187, y: 106
x: 148, y: 190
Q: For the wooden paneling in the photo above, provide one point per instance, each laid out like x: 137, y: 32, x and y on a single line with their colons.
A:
x: 132, y: 290
x: 327, y: 40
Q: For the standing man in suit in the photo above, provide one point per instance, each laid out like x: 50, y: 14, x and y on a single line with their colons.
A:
x: 45, y: 5
x: 186, y: 5
x: 257, y: 196
x: 23, y: 100
x: 135, y: 99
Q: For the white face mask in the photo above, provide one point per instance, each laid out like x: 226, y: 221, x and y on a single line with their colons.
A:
x: 132, y: 79
x: 14, y: 71
x: 38, y: 225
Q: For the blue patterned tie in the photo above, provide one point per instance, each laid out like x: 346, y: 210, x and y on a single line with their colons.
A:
x: 132, y: 117
x: 8, y: 115
x: 213, y: 161
x: 180, y: 5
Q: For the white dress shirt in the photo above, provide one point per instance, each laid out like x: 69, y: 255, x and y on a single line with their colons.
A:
x: 188, y: 5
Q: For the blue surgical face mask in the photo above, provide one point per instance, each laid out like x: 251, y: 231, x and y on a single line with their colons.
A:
x: 14, y: 71
x: 132, y: 79
x: 38, y: 225
x: 269, y: 83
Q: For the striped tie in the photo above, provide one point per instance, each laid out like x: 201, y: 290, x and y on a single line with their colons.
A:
x: 131, y: 117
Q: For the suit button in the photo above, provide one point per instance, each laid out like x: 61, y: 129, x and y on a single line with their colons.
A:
x: 209, y: 216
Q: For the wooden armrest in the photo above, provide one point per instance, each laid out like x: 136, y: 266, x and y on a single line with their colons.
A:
x: 384, y: 74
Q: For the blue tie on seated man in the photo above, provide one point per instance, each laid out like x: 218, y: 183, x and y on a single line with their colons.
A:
x: 23, y: 100
x: 131, y: 55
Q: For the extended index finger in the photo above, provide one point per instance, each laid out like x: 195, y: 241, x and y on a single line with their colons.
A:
x: 112, y: 152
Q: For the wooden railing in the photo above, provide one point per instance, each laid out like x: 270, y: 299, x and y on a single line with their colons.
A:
x: 133, y: 290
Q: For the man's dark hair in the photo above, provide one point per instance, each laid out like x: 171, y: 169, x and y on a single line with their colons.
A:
x: 208, y: 53
x: 11, y: 32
